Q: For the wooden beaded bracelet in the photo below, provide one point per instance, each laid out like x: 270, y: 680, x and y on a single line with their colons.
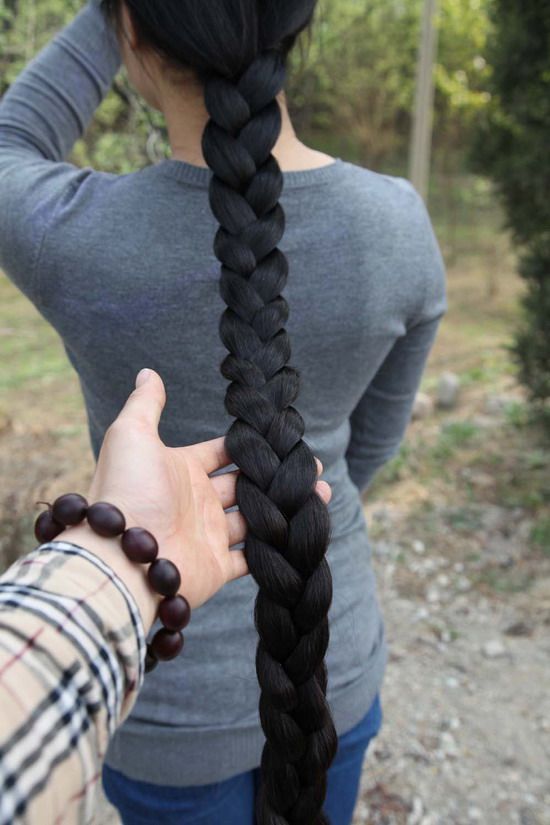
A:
x: 139, y: 546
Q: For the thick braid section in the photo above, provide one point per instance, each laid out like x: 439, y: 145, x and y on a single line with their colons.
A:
x: 288, y: 523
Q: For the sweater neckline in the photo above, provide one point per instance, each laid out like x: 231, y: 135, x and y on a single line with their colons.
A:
x: 180, y: 170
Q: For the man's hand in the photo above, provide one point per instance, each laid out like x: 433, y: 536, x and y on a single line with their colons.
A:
x: 169, y: 491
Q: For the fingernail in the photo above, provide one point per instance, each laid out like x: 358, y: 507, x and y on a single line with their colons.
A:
x: 143, y: 376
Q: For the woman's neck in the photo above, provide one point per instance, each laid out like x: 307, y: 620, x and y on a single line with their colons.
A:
x: 186, y: 117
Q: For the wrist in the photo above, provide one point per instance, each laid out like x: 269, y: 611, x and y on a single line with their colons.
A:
x: 133, y: 575
x: 102, y: 529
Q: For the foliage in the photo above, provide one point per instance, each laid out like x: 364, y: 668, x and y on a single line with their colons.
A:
x: 461, y: 75
x: 512, y: 145
x: 125, y: 134
x: 351, y: 88
x: 355, y: 94
x: 357, y: 86
x: 25, y: 27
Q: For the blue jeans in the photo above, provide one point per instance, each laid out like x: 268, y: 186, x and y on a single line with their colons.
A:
x: 231, y: 802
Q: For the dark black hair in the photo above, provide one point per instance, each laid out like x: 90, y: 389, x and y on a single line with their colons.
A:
x: 238, y: 49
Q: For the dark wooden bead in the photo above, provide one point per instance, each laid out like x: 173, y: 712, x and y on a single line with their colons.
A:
x: 46, y: 528
x: 174, y: 612
x: 139, y: 545
x: 164, y: 577
x: 151, y: 660
x: 166, y: 644
x: 70, y: 509
x: 106, y: 519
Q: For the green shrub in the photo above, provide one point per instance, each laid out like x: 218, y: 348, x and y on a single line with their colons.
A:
x: 511, y: 145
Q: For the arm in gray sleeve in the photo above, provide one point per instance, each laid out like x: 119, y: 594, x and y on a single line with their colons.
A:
x: 379, y: 420
x: 45, y: 110
x: 49, y: 105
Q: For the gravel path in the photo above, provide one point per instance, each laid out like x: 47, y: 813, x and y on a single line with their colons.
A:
x: 466, y: 734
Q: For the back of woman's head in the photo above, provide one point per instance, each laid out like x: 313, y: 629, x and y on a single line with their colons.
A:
x: 238, y: 50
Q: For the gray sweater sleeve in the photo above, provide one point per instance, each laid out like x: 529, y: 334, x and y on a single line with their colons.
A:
x: 379, y: 420
x: 42, y: 114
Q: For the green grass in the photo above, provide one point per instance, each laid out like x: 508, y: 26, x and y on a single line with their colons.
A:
x: 465, y: 518
x: 517, y: 414
x: 396, y: 466
x: 453, y: 436
x: 506, y: 581
x: 492, y: 367
x: 31, y: 352
x: 540, y: 535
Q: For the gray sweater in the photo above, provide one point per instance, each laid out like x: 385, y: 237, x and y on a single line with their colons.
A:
x: 122, y: 267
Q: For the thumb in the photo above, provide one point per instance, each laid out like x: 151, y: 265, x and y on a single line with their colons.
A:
x: 147, y: 401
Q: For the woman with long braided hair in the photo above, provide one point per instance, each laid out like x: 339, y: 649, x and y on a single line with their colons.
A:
x: 243, y: 243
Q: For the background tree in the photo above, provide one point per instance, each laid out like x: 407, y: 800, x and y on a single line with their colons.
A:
x: 512, y: 145
x: 353, y: 93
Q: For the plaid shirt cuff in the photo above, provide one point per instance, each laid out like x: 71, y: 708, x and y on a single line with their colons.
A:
x: 72, y: 660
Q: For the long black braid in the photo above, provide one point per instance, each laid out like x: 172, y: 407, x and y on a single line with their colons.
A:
x: 288, y: 524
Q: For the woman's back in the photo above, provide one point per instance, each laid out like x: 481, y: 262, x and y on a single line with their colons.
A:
x: 127, y: 275
x: 123, y: 268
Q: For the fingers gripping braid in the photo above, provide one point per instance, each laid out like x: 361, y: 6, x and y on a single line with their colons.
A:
x: 288, y: 523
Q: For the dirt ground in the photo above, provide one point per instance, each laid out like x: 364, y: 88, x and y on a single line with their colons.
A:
x: 460, y: 526
x: 467, y: 708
